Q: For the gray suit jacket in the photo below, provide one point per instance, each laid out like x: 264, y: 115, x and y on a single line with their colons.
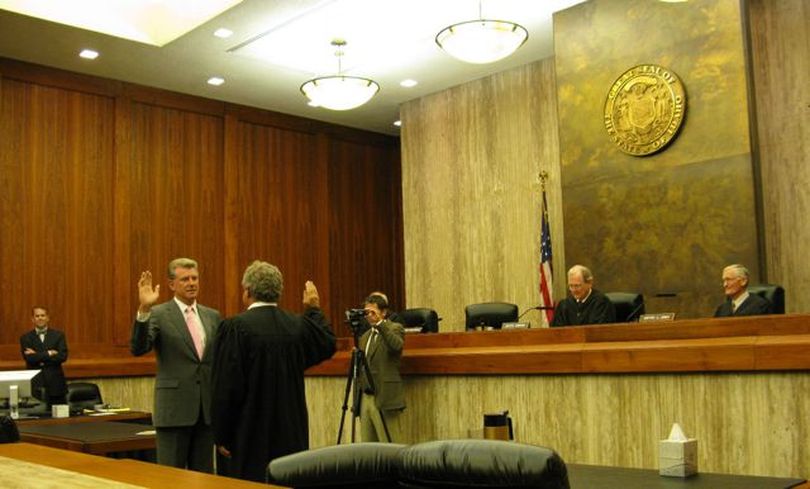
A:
x: 183, y: 381
x: 383, y: 357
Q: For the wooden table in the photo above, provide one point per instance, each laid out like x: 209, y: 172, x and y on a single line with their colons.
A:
x: 98, y: 438
x: 126, y: 471
x: 592, y: 476
x: 126, y: 416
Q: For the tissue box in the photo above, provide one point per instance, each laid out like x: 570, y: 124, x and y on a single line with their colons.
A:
x: 60, y: 411
x: 677, y: 458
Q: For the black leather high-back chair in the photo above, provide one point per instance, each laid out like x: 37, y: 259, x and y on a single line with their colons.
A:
x: 629, y: 305
x: 492, y: 314
x: 774, y: 293
x: 421, y: 317
x: 484, y: 464
x: 83, y: 395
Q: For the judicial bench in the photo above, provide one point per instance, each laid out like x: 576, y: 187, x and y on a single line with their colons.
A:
x: 753, y: 343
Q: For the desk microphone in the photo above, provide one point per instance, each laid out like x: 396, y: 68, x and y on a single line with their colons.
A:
x: 536, y: 308
x: 634, y: 312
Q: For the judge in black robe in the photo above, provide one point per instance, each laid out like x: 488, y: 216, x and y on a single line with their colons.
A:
x: 584, y: 305
x: 739, y: 302
x: 259, y: 409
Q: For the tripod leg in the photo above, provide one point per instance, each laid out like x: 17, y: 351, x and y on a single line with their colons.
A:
x: 349, y: 382
x: 385, y: 426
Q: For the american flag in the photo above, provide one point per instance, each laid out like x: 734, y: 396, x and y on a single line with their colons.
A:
x: 546, y: 298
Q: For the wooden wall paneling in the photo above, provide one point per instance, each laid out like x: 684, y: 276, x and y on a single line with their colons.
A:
x: 321, y: 200
x: 173, y: 100
x: 56, y: 78
x: 780, y: 47
x: 276, y: 178
x: 89, y: 167
x: 363, y: 226
x: 128, y: 177
x: 230, y: 183
x: 13, y: 314
x: 124, y: 301
x: 176, y: 180
x: 471, y: 158
x: 59, y: 166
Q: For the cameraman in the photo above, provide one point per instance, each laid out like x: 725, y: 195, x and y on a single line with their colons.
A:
x: 382, y: 345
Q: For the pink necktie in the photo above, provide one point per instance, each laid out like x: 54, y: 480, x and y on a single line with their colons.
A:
x: 194, y: 329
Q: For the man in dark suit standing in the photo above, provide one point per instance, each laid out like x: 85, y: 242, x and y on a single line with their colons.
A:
x: 584, y: 305
x: 382, y: 345
x: 181, y: 332
x: 45, y: 349
x: 259, y: 399
x: 738, y: 301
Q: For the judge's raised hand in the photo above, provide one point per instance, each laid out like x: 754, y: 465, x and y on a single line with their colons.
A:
x: 147, y: 295
x: 311, y: 298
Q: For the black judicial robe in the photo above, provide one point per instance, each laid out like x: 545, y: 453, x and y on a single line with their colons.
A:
x: 753, y: 305
x: 259, y: 408
x: 597, y: 309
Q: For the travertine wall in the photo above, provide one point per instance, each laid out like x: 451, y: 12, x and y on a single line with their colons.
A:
x: 745, y: 423
x: 471, y: 159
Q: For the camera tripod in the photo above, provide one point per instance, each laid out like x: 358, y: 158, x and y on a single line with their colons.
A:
x: 353, y: 387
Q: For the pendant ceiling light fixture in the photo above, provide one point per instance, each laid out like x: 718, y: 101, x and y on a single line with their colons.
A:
x: 339, y: 92
x: 482, y: 41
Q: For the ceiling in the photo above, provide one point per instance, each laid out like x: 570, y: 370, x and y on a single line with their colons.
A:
x: 388, y: 41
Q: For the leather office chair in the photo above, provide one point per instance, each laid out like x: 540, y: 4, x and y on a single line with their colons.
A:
x: 492, y: 314
x: 629, y: 305
x: 421, y: 317
x: 482, y: 464
x: 370, y: 465
x: 485, y: 464
x: 83, y: 395
x: 774, y: 293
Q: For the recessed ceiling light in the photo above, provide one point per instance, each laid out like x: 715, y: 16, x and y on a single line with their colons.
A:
x: 408, y: 83
x: 88, y: 54
x: 216, y: 81
x: 398, y: 123
x: 313, y: 103
x: 223, y: 33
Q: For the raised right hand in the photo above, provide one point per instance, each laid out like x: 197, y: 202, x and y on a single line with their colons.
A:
x: 147, y: 295
x: 311, y: 297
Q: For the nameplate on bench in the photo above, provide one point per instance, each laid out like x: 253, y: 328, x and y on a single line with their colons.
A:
x: 515, y: 326
x: 658, y: 316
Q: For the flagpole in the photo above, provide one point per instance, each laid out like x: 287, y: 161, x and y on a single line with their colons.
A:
x: 545, y: 268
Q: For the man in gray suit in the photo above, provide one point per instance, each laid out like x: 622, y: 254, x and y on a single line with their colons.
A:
x: 181, y: 332
x: 382, y: 345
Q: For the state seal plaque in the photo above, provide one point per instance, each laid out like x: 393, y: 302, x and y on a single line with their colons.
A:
x: 644, y: 109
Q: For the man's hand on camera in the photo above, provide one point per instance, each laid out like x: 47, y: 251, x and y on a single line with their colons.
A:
x: 311, y: 298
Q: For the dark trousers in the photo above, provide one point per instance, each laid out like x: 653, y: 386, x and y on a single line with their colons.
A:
x: 187, y: 447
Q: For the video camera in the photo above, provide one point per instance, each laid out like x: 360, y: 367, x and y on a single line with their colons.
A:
x: 355, y: 317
